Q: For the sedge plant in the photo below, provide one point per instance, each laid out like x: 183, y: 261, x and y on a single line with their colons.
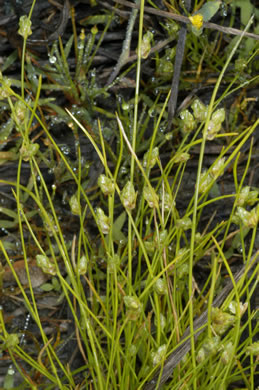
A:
x: 127, y: 276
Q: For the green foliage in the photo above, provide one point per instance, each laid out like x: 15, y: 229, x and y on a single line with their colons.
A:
x: 128, y: 274
x: 205, y: 13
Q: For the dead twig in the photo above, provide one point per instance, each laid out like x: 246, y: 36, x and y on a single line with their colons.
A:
x: 177, y: 69
x: 185, y: 19
x: 64, y: 16
x: 200, y: 325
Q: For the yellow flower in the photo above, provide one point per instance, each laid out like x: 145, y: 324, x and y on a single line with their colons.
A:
x: 197, y: 20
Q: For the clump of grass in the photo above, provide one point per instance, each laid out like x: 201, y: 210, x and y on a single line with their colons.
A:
x: 127, y: 276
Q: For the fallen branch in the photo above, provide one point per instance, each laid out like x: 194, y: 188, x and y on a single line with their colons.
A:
x: 185, y: 19
x: 200, y: 324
